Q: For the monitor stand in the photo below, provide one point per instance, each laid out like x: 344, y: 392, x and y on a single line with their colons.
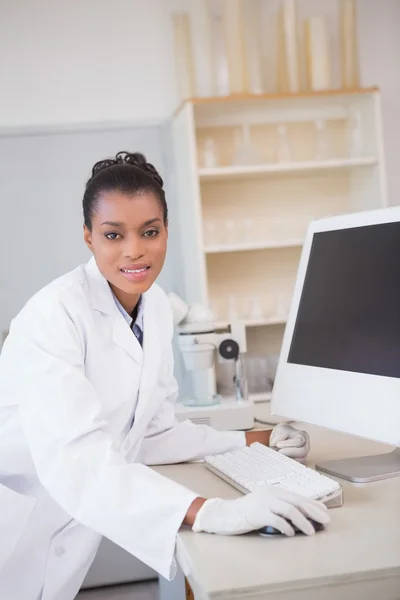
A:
x: 364, y: 468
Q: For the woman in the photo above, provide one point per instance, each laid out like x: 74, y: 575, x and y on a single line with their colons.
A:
x: 87, y: 398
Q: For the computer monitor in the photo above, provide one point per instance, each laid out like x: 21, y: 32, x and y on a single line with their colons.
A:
x: 339, y: 365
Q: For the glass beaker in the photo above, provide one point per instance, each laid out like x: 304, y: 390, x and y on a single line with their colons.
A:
x: 244, y: 151
x: 195, y: 389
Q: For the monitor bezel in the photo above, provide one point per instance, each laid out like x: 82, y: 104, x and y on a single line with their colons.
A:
x: 360, y: 404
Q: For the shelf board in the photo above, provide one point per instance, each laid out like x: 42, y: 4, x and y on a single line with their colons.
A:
x: 248, y: 246
x: 245, y: 97
x: 245, y: 171
x: 283, y: 95
x: 253, y: 322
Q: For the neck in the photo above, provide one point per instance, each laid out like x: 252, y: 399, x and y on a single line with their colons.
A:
x: 128, y: 301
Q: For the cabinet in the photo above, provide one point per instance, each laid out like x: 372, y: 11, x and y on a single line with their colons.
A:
x: 251, y: 173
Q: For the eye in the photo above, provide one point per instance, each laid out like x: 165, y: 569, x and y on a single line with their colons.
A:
x: 151, y: 233
x: 112, y: 235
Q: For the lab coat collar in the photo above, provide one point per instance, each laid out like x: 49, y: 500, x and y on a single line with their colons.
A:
x: 102, y: 299
x: 100, y: 292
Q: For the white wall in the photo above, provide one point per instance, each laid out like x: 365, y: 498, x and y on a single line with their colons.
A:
x: 85, y: 61
x: 379, y: 38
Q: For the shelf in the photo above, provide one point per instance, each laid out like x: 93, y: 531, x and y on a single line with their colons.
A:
x: 253, y: 322
x: 247, y: 246
x: 221, y: 173
x: 282, y: 95
x: 261, y: 210
x: 245, y: 97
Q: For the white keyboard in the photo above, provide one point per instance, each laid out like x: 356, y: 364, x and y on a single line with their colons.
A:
x: 255, y: 466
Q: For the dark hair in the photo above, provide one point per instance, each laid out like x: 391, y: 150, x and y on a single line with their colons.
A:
x: 127, y: 173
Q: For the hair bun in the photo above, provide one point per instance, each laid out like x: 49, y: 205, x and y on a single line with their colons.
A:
x: 136, y: 159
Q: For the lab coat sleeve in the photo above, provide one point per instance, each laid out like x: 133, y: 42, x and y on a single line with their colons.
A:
x: 168, y: 441
x: 75, y: 457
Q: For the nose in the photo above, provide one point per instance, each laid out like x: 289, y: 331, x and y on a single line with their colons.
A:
x: 134, y: 247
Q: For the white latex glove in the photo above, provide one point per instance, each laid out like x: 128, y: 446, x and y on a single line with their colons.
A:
x: 269, y: 505
x: 290, y: 441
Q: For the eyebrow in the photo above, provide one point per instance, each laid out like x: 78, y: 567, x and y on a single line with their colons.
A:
x: 113, y: 223
x: 120, y: 224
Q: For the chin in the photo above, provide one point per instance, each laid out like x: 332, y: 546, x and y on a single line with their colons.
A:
x: 134, y: 287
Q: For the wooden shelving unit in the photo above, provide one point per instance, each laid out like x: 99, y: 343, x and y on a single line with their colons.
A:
x: 242, y: 225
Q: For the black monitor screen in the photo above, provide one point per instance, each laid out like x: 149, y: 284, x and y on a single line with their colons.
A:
x: 349, y: 313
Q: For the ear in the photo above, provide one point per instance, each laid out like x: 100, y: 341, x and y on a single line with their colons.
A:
x: 87, y: 236
x: 166, y: 227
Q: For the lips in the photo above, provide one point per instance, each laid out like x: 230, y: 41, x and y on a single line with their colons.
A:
x: 137, y: 268
x: 136, y: 273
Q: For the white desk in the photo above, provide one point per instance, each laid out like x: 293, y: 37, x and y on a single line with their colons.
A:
x: 357, y: 557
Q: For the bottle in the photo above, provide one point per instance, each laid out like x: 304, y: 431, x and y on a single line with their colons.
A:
x: 283, y: 154
x: 355, y: 135
x: 244, y: 151
x: 209, y: 154
x: 322, y: 146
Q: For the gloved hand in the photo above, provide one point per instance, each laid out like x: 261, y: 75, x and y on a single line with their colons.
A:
x: 269, y: 505
x: 290, y: 441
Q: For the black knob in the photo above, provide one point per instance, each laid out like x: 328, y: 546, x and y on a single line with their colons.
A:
x: 229, y: 349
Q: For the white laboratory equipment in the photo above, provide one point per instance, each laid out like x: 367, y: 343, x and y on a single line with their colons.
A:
x: 200, y: 344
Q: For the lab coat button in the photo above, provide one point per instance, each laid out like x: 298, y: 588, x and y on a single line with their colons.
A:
x: 59, y: 551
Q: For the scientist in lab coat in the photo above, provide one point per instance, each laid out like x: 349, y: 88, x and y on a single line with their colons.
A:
x: 87, y: 398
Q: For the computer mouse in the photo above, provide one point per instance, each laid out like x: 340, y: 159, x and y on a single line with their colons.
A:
x: 269, y: 531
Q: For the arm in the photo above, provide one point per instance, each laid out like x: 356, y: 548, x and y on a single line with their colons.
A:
x: 262, y: 436
x: 167, y: 441
x: 251, y: 437
x: 76, y: 460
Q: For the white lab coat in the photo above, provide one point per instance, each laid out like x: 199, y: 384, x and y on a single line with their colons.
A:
x: 72, y: 465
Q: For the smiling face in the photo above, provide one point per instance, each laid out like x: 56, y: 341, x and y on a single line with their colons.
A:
x: 128, y: 238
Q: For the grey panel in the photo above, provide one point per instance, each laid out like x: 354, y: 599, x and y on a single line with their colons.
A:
x: 113, y: 565
x: 42, y: 179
